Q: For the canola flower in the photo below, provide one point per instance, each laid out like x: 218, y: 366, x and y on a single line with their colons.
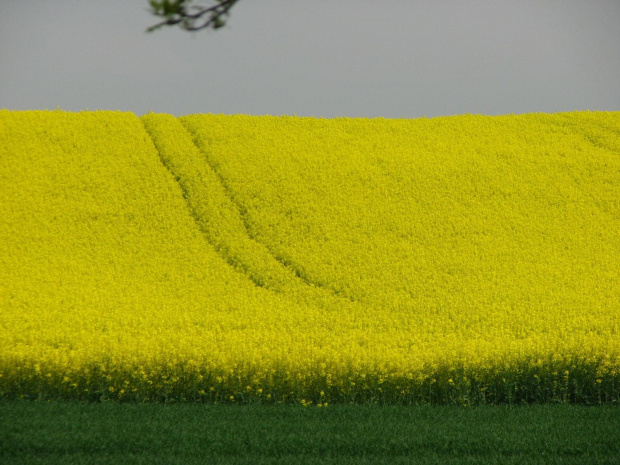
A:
x: 464, y: 259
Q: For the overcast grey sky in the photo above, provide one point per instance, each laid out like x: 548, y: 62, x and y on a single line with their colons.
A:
x: 391, y: 58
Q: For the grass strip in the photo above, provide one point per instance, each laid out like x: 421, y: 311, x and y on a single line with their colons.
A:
x: 75, y: 432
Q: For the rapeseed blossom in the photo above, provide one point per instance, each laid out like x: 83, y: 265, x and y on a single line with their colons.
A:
x: 223, y: 258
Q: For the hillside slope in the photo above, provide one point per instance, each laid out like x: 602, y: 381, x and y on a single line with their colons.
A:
x: 217, y: 257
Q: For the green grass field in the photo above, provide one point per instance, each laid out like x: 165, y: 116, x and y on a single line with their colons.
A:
x: 102, y: 433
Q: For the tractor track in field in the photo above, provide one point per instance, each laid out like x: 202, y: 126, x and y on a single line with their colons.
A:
x: 236, y: 262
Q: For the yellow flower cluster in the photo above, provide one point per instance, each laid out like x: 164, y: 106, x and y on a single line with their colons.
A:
x: 458, y: 259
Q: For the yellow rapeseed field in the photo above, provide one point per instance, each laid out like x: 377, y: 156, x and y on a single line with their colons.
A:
x: 464, y: 259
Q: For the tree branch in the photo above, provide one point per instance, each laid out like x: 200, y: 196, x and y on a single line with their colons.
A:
x: 176, y: 12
